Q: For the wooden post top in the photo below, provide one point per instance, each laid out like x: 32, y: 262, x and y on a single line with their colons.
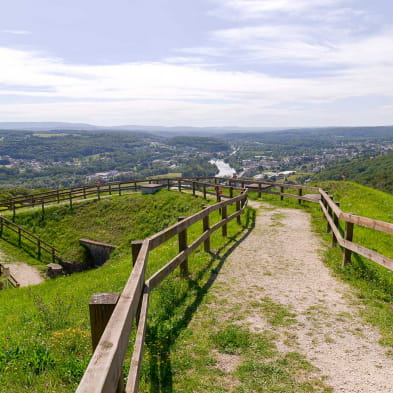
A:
x: 104, y: 298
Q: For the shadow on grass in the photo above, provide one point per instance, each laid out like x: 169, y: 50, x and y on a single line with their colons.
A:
x: 163, y: 332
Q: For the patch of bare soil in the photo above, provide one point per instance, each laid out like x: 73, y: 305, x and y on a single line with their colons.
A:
x: 280, y: 261
x: 25, y: 274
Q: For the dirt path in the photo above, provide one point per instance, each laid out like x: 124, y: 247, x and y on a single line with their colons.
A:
x: 279, y: 264
x: 25, y: 274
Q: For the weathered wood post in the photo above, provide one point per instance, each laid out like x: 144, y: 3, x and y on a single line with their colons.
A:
x: 238, y: 207
x: 193, y: 188
x: 13, y: 210
x: 168, y: 184
x: 84, y: 192
x: 335, y: 220
x: 110, y: 189
x: 281, y: 192
x: 19, y: 236
x: 224, y: 215
x: 119, y: 188
x: 259, y: 190
x: 101, y: 307
x: 58, y: 196
x: 179, y: 185
x: 42, y: 208
x: 204, y: 191
x: 349, y: 237
x: 99, y: 192
x: 136, y: 187
x: 206, y: 227
x: 300, y: 193
x: 330, y: 212
x: 70, y: 196
x: 135, y: 248
x: 182, y: 246
x: 242, y: 183
x: 217, y: 194
x: 215, y: 180
x: 230, y: 192
x: 39, y: 249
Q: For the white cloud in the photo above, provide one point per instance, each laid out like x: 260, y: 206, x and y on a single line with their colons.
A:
x: 170, y: 94
x: 16, y: 32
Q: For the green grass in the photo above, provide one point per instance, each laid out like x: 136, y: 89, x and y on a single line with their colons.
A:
x: 44, y: 330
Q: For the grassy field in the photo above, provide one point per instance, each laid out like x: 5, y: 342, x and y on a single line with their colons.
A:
x: 44, y: 330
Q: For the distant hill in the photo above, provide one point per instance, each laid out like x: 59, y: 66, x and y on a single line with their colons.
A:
x: 372, y: 172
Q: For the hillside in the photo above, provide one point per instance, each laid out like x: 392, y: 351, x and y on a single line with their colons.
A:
x: 374, y: 172
x: 44, y: 330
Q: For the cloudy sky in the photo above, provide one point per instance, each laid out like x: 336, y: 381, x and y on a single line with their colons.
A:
x: 197, y: 62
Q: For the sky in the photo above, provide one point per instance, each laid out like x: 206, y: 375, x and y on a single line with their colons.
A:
x: 249, y: 63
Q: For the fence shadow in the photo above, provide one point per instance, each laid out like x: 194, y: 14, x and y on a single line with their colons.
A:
x: 159, y: 339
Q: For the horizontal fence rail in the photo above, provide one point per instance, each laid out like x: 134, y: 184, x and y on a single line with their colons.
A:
x: 40, y: 244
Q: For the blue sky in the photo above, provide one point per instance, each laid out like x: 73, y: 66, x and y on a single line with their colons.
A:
x: 264, y: 63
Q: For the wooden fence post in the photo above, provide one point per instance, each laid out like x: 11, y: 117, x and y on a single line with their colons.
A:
x: 193, y: 188
x: 136, y: 187
x: 168, y: 184
x: 135, y: 248
x: 349, y: 237
x: 259, y: 190
x: 299, y: 201
x: 206, y: 227
x: 330, y: 211
x: 58, y: 196
x: 84, y: 192
x: 119, y: 188
x: 204, y: 191
x: 101, y: 307
x: 13, y: 211
x: 238, y: 218
x: 19, y: 236
x: 179, y: 185
x: 182, y: 246
x: 281, y: 192
x: 110, y: 189
x: 231, y: 192
x: 39, y: 249
x: 223, y: 217
x: 98, y: 192
x: 42, y: 207
x: 335, y: 220
x: 70, y: 199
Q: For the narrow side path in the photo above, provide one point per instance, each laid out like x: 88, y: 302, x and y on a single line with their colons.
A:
x: 277, y: 271
x: 23, y: 273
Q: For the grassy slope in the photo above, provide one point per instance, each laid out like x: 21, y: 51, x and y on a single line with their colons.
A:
x: 44, y: 330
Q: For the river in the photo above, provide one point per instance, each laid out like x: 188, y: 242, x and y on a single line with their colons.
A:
x: 224, y: 169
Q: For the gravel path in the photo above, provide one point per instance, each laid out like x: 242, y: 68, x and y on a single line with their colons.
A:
x: 25, y: 274
x: 280, y: 260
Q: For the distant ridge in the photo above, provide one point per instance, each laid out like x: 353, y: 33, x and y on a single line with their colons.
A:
x: 177, y: 130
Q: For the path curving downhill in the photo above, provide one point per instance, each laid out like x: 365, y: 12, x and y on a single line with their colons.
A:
x: 280, y: 263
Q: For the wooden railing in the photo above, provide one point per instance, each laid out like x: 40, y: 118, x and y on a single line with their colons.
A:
x: 39, y: 244
x: 84, y: 192
x: 5, y: 272
x: 106, y: 365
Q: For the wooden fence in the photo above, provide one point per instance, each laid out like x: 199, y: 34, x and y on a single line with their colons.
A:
x: 105, y: 368
x: 105, y: 189
x: 5, y: 272
x: 39, y: 244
